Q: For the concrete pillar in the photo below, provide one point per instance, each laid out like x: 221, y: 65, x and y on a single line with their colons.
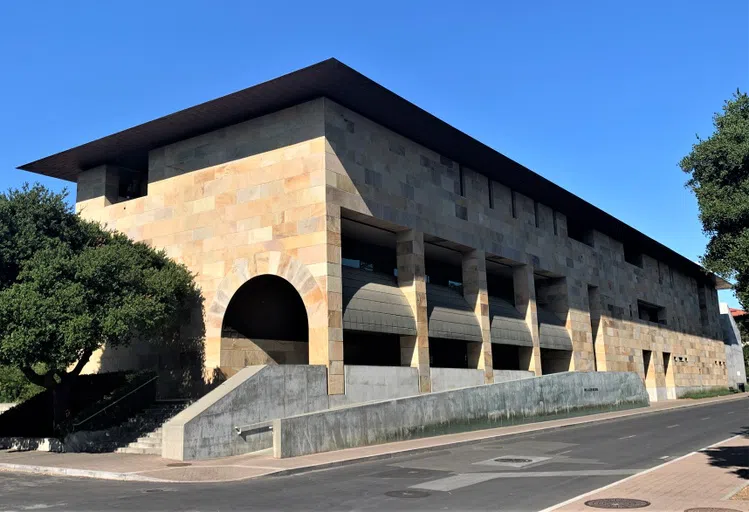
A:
x: 412, y: 281
x: 326, y: 341
x: 525, y: 302
x: 476, y: 294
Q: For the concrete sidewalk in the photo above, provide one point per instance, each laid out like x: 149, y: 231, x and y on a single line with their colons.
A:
x: 119, y: 466
x: 704, y: 480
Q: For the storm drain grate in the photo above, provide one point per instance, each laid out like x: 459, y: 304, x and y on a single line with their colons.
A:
x: 178, y: 464
x: 617, y: 503
x: 711, y: 509
x: 408, y: 494
x: 511, y: 460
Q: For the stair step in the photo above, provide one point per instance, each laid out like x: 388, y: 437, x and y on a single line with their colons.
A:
x: 145, y: 441
x: 139, y: 451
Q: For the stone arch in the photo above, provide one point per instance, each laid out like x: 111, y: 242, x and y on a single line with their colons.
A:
x: 266, y: 263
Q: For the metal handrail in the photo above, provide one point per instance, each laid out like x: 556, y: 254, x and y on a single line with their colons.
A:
x: 118, y: 400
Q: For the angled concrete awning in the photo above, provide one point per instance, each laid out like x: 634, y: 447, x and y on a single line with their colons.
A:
x: 507, y: 324
x: 552, y: 332
x: 373, y: 302
x: 450, y: 316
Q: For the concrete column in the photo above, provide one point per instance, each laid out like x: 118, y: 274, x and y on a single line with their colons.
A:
x: 476, y: 294
x: 525, y: 302
x: 326, y: 341
x: 412, y: 281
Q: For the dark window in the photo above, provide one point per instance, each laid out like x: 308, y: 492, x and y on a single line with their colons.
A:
x: 632, y: 256
x: 491, y: 192
x: 702, y: 297
x: 578, y: 232
x: 651, y: 312
x: 461, y: 178
x: 554, y: 219
x: 514, y: 205
x: 445, y: 274
x: 132, y: 184
x: 369, y: 257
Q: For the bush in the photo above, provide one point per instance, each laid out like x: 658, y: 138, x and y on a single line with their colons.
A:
x: 707, y: 393
x: 14, y: 387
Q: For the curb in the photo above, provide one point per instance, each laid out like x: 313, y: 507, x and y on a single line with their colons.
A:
x: 82, y: 473
x: 136, y: 477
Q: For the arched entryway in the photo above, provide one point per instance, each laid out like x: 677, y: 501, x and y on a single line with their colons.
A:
x: 265, y: 323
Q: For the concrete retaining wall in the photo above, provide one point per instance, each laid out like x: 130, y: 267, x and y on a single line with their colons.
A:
x: 258, y: 394
x: 437, y: 413
x: 368, y: 383
x: 455, y: 378
x: 253, y: 395
x: 508, y: 375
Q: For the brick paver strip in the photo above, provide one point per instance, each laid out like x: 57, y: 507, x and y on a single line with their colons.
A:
x: 687, y: 482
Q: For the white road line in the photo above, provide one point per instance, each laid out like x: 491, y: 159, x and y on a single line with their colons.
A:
x: 454, y: 482
x: 628, y: 437
x: 562, y: 453
x: 672, y: 426
x: 594, y: 491
x: 664, y: 457
x: 731, y: 412
x: 706, y: 418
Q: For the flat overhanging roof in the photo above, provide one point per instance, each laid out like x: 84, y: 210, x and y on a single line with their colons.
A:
x: 333, y: 79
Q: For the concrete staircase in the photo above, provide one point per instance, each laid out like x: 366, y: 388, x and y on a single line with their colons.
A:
x: 150, y: 423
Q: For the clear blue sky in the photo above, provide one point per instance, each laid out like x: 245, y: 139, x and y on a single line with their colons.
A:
x: 602, y: 97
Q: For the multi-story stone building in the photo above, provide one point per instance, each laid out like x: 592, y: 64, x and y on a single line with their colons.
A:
x: 329, y: 221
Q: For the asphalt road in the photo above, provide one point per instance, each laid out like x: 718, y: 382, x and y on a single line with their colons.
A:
x: 534, y: 471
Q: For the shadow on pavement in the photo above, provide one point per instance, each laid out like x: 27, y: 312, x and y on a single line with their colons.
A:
x: 731, y: 457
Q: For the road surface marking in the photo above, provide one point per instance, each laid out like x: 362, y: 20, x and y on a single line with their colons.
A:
x: 454, y: 482
x: 706, y: 418
x: 562, y: 453
x: 672, y: 426
x: 731, y: 412
x: 664, y: 457
x: 628, y: 437
x: 605, y: 487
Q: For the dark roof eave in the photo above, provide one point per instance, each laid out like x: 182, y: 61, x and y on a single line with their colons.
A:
x: 333, y: 79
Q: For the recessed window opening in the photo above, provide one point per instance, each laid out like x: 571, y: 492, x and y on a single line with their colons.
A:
x: 370, y: 349
x: 500, y: 281
x: 579, y: 232
x: 491, y: 192
x: 443, y: 267
x: 446, y: 353
x: 131, y: 184
x: 513, y: 202
x: 535, y: 213
x: 651, y: 312
x: 510, y: 357
x: 367, y: 248
x: 702, y: 296
x: 554, y: 220
x: 462, y: 180
x: 632, y: 256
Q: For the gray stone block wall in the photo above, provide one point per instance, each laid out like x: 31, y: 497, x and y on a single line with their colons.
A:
x: 359, y: 147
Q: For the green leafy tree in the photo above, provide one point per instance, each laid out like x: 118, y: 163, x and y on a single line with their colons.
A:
x: 719, y: 169
x: 68, y: 287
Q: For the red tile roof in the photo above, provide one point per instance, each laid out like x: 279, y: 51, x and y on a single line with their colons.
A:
x: 737, y: 312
